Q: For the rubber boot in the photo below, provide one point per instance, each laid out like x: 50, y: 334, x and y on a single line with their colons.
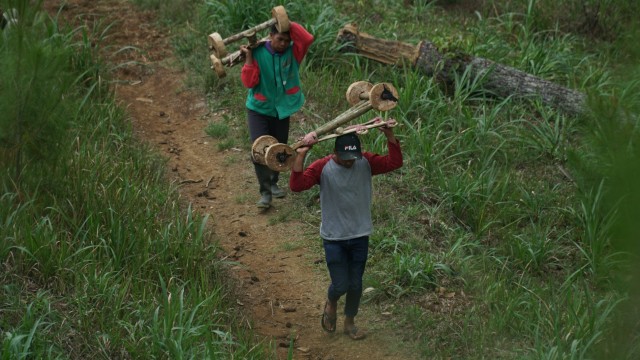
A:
x: 275, y: 189
x: 263, y: 173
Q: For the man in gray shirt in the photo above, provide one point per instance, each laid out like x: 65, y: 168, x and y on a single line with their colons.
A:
x: 344, y: 178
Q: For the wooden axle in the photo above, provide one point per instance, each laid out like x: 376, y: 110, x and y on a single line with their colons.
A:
x: 382, y: 96
x: 279, y: 18
x: 233, y: 59
x: 365, y: 128
x: 279, y: 157
x: 352, y: 113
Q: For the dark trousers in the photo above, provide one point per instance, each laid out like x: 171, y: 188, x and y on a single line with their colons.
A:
x: 346, y: 260
x: 267, y: 125
x: 260, y: 125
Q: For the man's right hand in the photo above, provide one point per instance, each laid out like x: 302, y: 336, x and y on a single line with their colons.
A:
x: 248, y: 54
x: 302, y: 150
x: 388, y: 130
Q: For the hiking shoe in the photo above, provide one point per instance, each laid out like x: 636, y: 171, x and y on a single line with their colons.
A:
x: 264, y: 202
x: 277, y: 192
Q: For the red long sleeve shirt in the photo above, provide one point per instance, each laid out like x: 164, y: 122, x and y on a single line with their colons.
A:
x: 300, y: 181
x: 346, y: 193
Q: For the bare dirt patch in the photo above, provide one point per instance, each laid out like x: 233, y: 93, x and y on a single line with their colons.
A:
x: 282, y: 282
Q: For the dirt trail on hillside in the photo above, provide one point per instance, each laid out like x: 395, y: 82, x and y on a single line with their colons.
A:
x: 282, y: 283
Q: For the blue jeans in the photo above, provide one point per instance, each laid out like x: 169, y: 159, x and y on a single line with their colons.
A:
x: 346, y: 260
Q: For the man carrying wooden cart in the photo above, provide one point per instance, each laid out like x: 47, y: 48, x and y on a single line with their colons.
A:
x: 271, y: 73
x: 346, y: 192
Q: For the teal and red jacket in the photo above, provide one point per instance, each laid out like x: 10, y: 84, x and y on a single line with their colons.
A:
x: 273, y: 79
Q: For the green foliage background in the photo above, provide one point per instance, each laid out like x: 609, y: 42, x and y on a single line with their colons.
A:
x: 530, y: 212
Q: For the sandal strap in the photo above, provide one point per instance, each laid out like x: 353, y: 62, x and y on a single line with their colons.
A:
x: 355, y: 333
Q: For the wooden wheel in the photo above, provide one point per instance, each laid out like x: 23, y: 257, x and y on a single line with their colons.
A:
x: 217, y: 45
x: 358, y: 91
x: 279, y: 157
x: 282, y: 19
x: 383, y: 96
x: 260, y: 146
x: 217, y: 66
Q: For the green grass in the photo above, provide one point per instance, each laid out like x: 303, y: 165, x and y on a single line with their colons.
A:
x: 291, y: 246
x: 217, y: 130
x: 226, y: 144
x: 505, y: 200
x: 529, y: 212
x: 100, y: 257
x: 282, y: 216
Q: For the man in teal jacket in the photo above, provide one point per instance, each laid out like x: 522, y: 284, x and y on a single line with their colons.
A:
x: 271, y: 72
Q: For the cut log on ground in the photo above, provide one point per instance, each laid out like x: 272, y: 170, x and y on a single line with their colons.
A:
x: 500, y: 80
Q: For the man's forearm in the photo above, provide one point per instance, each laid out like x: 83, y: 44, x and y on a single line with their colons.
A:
x: 298, y: 162
x: 390, y: 136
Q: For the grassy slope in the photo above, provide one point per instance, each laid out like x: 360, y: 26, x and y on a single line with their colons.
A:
x: 484, y: 206
x: 510, y: 202
x: 99, y: 256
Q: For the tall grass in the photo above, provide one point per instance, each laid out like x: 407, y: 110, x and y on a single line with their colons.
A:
x: 29, y: 73
x: 507, y: 201
x: 90, y: 228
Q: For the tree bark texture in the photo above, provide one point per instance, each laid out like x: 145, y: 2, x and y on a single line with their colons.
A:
x: 501, y: 80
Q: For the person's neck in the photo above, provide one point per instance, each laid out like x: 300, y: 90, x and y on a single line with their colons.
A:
x: 270, y: 48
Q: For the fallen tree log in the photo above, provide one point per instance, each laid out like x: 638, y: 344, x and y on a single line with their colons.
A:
x: 500, y: 80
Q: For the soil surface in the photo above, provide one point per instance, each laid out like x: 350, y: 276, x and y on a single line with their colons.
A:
x: 281, y: 280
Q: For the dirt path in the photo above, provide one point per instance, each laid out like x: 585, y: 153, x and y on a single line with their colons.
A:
x: 282, y: 285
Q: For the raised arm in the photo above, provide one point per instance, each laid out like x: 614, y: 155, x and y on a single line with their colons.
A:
x: 250, y: 74
x: 300, y: 179
x: 301, y: 38
x: 393, y: 160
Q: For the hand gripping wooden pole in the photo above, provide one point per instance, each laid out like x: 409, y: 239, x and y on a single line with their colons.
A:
x: 279, y: 157
x: 236, y: 57
x: 360, y: 130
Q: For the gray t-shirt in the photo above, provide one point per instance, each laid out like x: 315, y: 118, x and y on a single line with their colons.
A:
x: 345, y: 200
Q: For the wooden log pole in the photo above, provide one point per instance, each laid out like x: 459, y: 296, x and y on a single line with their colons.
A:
x: 279, y: 18
x: 350, y: 114
x: 233, y: 59
x: 249, y: 32
x: 280, y: 157
x: 501, y: 80
x: 366, y: 127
